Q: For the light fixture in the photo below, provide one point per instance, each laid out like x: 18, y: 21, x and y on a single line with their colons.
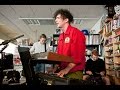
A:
x: 49, y: 21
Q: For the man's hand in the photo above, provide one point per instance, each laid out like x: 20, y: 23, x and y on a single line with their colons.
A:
x: 102, y: 73
x: 66, y: 70
x: 89, y: 72
x: 62, y: 72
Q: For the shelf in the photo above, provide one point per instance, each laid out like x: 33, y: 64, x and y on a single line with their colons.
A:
x: 117, y: 70
x: 116, y: 17
x: 117, y: 55
x: 55, y: 38
x: 107, y: 20
x: 108, y: 34
x: 110, y: 69
x: 92, y: 34
x: 116, y: 30
x: 101, y: 31
x: 88, y: 55
x: 109, y: 63
x: 111, y: 44
x: 56, y: 35
x: 109, y: 56
x: 111, y: 75
x: 93, y: 45
x: 55, y: 45
x: 117, y: 42
x: 108, y: 50
x: 117, y: 63
x: 117, y: 77
x: 116, y: 36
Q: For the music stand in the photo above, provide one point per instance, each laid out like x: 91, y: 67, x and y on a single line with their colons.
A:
x: 27, y: 68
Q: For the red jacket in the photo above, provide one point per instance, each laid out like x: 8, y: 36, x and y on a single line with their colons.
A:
x: 72, y: 43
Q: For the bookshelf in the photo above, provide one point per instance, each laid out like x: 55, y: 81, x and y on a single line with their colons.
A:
x: 55, y: 41
x: 92, y: 42
x: 111, y: 43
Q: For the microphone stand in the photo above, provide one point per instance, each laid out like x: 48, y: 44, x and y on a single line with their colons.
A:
x: 3, y: 56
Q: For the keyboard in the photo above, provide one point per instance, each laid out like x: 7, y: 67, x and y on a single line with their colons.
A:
x: 56, y: 80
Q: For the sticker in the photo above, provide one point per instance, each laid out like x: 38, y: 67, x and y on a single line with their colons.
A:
x: 67, y: 40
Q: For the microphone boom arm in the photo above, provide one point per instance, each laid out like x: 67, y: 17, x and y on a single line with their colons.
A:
x: 7, y: 41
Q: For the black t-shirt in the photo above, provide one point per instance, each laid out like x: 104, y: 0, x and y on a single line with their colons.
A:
x: 95, y: 66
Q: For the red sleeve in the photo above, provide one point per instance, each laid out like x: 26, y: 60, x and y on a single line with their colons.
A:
x: 78, y: 47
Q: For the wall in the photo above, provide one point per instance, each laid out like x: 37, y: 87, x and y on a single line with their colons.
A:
x: 97, y: 27
x: 3, y: 36
x: 49, y: 30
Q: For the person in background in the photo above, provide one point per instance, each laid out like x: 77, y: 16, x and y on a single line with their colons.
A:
x: 38, y: 47
x: 95, y: 66
x: 71, y: 43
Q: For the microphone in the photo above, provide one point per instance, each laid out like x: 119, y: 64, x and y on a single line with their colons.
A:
x: 7, y: 41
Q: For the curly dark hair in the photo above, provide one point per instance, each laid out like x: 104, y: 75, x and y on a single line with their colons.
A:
x: 65, y: 14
